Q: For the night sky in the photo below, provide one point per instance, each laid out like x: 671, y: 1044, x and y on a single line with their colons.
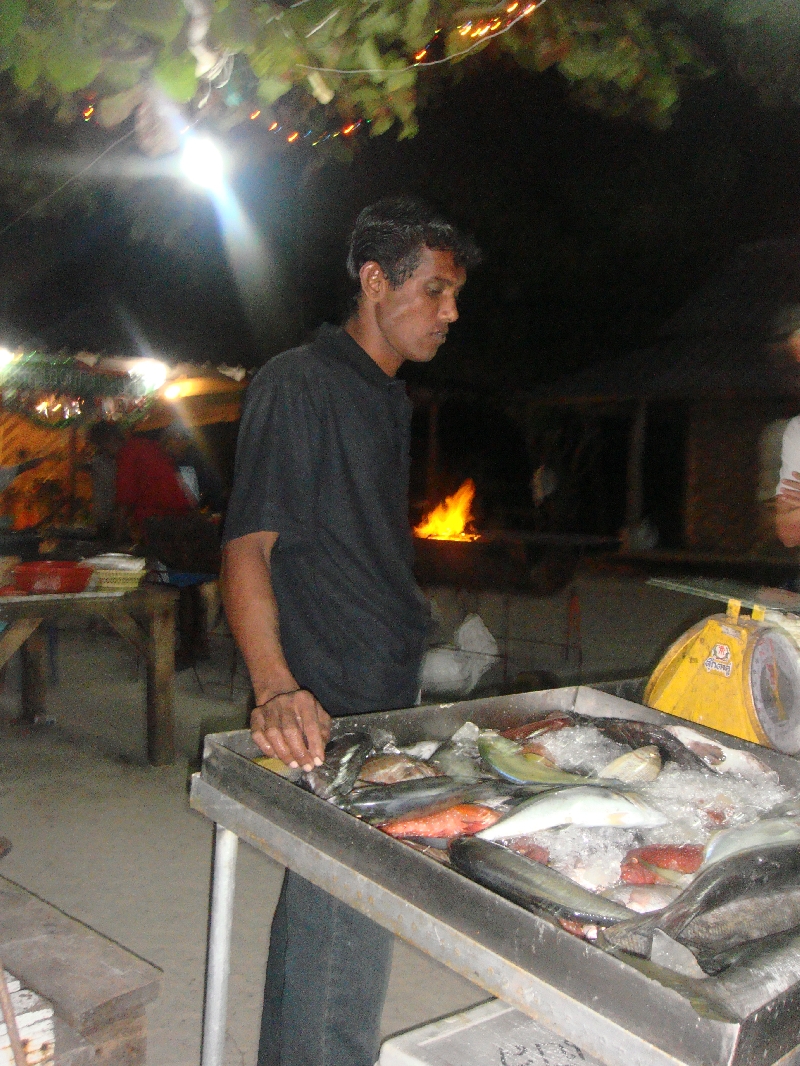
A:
x: 594, y: 230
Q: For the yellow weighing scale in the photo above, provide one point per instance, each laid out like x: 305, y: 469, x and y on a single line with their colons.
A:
x: 732, y: 672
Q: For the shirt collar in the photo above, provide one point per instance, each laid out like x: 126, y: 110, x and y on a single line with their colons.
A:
x: 344, y: 347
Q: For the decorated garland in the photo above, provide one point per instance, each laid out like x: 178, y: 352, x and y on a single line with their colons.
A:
x: 58, y: 391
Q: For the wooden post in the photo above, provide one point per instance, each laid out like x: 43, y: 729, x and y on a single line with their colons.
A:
x: 634, y: 488
x: 34, y: 683
x: 161, y: 678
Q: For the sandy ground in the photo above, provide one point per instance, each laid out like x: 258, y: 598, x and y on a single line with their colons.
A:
x: 113, y: 842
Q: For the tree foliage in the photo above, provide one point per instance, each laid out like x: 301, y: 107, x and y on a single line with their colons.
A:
x: 350, y: 59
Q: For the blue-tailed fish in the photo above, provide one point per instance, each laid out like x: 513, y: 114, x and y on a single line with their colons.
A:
x: 506, y: 758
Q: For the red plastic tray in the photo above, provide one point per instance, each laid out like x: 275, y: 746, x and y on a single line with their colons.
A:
x: 49, y: 577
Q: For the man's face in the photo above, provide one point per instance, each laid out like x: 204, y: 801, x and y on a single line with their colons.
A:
x: 414, y: 318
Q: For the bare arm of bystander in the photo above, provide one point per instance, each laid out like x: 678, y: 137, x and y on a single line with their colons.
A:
x: 287, y: 722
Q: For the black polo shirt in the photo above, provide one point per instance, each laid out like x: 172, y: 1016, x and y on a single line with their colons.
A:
x: 322, y: 460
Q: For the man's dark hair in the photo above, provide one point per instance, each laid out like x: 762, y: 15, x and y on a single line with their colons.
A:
x: 393, y: 234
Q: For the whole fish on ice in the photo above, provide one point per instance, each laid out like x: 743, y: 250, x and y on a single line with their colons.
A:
x: 738, y: 838
x: 531, y: 884
x: 720, y: 759
x: 643, y: 764
x: 389, y: 769
x: 746, y: 896
x: 344, y: 757
x: 507, y: 759
x: 641, y: 734
x: 459, y: 820
x: 382, y: 802
x: 586, y: 805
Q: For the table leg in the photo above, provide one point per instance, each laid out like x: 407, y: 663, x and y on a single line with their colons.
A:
x: 34, y: 682
x: 218, y: 963
x: 161, y: 684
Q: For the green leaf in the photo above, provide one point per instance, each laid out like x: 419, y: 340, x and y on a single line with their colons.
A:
x: 232, y: 26
x: 175, y: 76
x: 272, y: 89
x: 161, y: 19
x: 69, y: 67
x: 12, y: 15
x: 415, y: 32
x: 27, y: 70
x: 369, y: 58
x: 381, y: 124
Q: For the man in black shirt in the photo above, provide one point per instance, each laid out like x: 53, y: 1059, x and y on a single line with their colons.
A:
x: 320, y: 593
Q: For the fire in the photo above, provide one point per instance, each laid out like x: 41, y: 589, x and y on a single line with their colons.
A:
x: 453, y: 519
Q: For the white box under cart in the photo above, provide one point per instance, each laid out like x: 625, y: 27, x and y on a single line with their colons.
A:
x: 492, y: 1034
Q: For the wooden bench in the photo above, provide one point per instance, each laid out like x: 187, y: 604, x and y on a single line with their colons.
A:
x: 98, y: 989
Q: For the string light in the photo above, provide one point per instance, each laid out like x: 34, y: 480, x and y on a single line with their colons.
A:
x: 255, y: 114
x: 292, y: 137
x: 87, y: 113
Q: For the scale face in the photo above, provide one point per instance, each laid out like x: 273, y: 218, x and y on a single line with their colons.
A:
x: 775, y: 688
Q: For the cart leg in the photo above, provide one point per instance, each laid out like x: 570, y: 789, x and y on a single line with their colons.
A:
x: 219, y: 947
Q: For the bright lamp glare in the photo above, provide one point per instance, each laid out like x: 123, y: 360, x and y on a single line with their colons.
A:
x: 6, y: 357
x: 151, y: 373
x: 201, y: 162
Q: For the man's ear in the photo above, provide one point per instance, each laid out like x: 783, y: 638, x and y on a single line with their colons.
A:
x: 373, y: 281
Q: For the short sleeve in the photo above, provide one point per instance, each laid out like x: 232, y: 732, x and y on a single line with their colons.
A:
x: 278, y: 453
x: 790, y: 451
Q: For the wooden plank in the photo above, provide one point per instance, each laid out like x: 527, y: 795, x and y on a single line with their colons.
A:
x: 15, y: 636
x: 161, y: 682
x: 34, y: 678
x: 90, y: 981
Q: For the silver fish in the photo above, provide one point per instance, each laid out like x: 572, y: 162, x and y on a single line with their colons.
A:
x: 643, y: 764
x: 382, y: 802
x: 744, y: 919
x: 344, y: 757
x: 745, y: 876
x: 586, y: 805
x: 729, y: 842
x: 531, y: 884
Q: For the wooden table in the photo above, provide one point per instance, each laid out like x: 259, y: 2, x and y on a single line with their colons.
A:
x: 145, y: 618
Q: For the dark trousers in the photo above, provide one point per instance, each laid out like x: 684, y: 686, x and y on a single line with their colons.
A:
x: 327, y: 973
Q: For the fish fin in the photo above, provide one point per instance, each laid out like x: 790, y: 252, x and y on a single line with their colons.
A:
x: 634, y: 937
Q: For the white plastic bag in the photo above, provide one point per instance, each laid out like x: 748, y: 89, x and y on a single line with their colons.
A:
x: 456, y: 670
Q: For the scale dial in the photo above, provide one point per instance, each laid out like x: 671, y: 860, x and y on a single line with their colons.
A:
x: 774, y: 678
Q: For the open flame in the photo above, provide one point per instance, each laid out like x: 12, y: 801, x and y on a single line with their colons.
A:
x: 453, y: 519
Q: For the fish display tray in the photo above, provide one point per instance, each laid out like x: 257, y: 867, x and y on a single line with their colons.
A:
x: 613, y: 1010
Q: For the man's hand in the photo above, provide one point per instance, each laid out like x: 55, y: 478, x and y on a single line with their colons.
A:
x: 293, y: 727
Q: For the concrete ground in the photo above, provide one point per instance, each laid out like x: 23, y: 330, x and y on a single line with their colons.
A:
x: 112, y: 841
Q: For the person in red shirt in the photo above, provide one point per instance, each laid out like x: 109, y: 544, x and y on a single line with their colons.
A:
x: 148, y: 485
